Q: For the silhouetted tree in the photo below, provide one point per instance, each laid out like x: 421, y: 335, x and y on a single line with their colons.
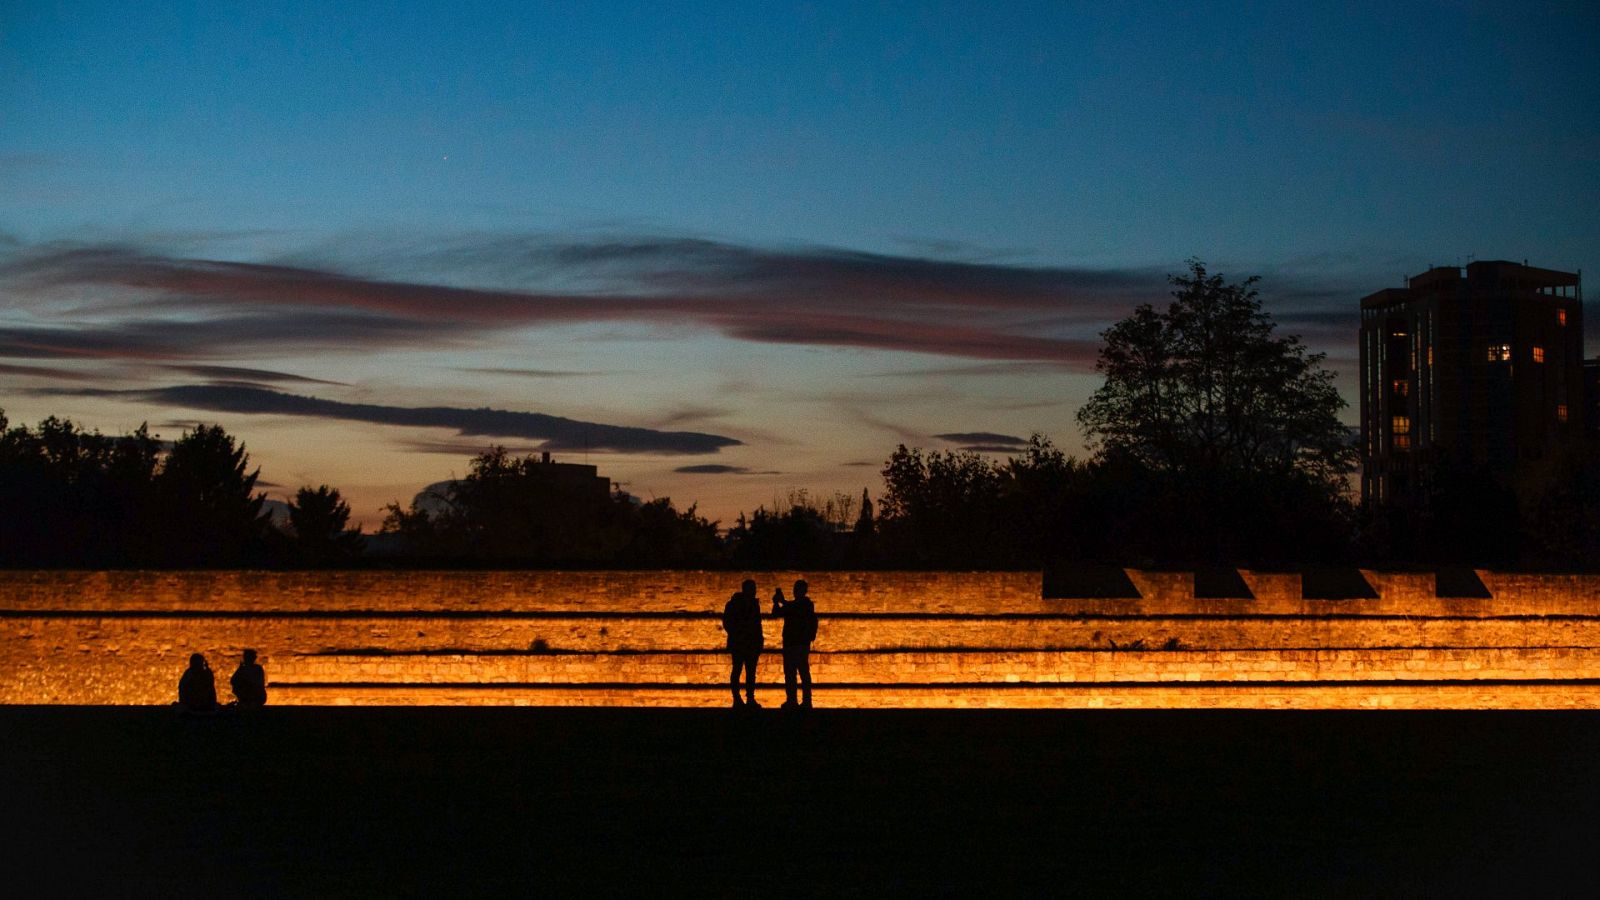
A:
x: 663, y: 536
x: 797, y: 538
x: 519, y: 509
x: 943, y: 508
x: 319, y: 518
x: 1043, y: 496
x: 1232, y: 430
x: 802, y: 531
x: 208, y: 489
x: 864, y: 525
x: 1207, y: 386
x: 80, y: 498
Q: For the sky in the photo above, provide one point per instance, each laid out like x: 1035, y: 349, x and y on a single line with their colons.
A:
x: 727, y: 250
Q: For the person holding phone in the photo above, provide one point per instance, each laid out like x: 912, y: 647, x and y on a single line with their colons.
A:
x: 799, y: 630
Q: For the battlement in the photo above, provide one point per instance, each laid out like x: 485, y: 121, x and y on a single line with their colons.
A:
x: 886, y: 638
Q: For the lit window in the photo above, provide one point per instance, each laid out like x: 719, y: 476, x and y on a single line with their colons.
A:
x: 1401, y: 424
x: 1402, y: 442
x: 1561, y: 412
x: 1499, y: 352
x: 1401, y: 387
x: 1561, y: 317
x: 1538, y: 354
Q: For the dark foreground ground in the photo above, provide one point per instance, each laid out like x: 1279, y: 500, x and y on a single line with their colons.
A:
x: 464, y: 802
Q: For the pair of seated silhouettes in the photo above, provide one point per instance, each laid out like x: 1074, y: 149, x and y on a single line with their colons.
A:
x: 741, y: 619
x: 197, y: 689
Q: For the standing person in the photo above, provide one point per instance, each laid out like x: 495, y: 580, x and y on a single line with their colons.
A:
x: 249, y: 682
x: 799, y: 630
x: 741, y: 619
x: 197, y: 689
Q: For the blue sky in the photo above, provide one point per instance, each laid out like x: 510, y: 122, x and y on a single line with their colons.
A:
x: 816, y: 230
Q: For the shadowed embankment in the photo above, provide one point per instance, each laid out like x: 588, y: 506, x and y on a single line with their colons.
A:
x: 428, y: 802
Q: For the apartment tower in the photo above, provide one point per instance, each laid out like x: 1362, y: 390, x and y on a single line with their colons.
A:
x: 1481, y: 366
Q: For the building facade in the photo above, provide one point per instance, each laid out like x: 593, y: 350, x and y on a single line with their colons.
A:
x: 1482, y: 366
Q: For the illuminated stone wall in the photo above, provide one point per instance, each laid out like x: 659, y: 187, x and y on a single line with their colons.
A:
x: 886, y: 639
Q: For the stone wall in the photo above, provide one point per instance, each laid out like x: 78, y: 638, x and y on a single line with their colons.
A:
x: 886, y: 639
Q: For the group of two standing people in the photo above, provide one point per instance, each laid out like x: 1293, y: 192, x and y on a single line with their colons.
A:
x: 741, y: 619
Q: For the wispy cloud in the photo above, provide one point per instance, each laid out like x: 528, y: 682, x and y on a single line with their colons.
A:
x: 48, y: 372
x: 526, y: 373
x: 975, y: 371
x: 719, y: 469
x: 982, y: 437
x: 160, y: 340
x: 812, y: 296
x: 466, y: 448
x: 236, y: 373
x: 554, y: 432
x: 1046, y: 317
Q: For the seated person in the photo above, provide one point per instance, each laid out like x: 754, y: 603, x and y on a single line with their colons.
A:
x: 249, y: 682
x: 197, y: 689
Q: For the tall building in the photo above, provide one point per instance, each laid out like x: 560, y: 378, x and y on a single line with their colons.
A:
x: 1482, y: 367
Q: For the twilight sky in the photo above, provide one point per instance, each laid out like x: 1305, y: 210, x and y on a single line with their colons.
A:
x: 724, y: 250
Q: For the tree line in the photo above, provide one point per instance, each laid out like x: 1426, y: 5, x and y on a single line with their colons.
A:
x: 1214, y: 441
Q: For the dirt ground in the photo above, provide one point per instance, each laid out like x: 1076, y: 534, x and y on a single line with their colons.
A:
x: 354, y: 802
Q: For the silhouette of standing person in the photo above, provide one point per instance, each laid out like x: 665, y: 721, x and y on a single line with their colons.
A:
x: 197, y: 689
x: 741, y: 619
x: 799, y: 630
x: 249, y: 682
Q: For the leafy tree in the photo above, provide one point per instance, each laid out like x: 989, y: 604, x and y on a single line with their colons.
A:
x: 79, y: 498
x: 209, y: 490
x: 1043, y: 495
x: 1231, y: 431
x: 663, y: 536
x: 804, y: 531
x: 518, y: 509
x: 798, y: 537
x: 1207, y: 385
x: 319, y: 518
x: 942, y: 508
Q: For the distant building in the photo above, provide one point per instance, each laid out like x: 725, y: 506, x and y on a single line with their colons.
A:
x: 1483, y: 366
x: 575, y: 475
x: 580, y: 479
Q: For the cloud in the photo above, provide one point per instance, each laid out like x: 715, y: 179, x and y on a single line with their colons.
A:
x: 811, y: 296
x: 47, y: 372
x: 236, y: 374
x: 688, y: 415
x: 983, y: 369
x: 555, y: 432
x: 1047, y: 316
x: 466, y: 448
x: 158, y: 340
x: 983, y: 437
x: 990, y: 448
x: 719, y: 469
x: 527, y: 373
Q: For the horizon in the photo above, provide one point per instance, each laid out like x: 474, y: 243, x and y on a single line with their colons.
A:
x: 742, y: 250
